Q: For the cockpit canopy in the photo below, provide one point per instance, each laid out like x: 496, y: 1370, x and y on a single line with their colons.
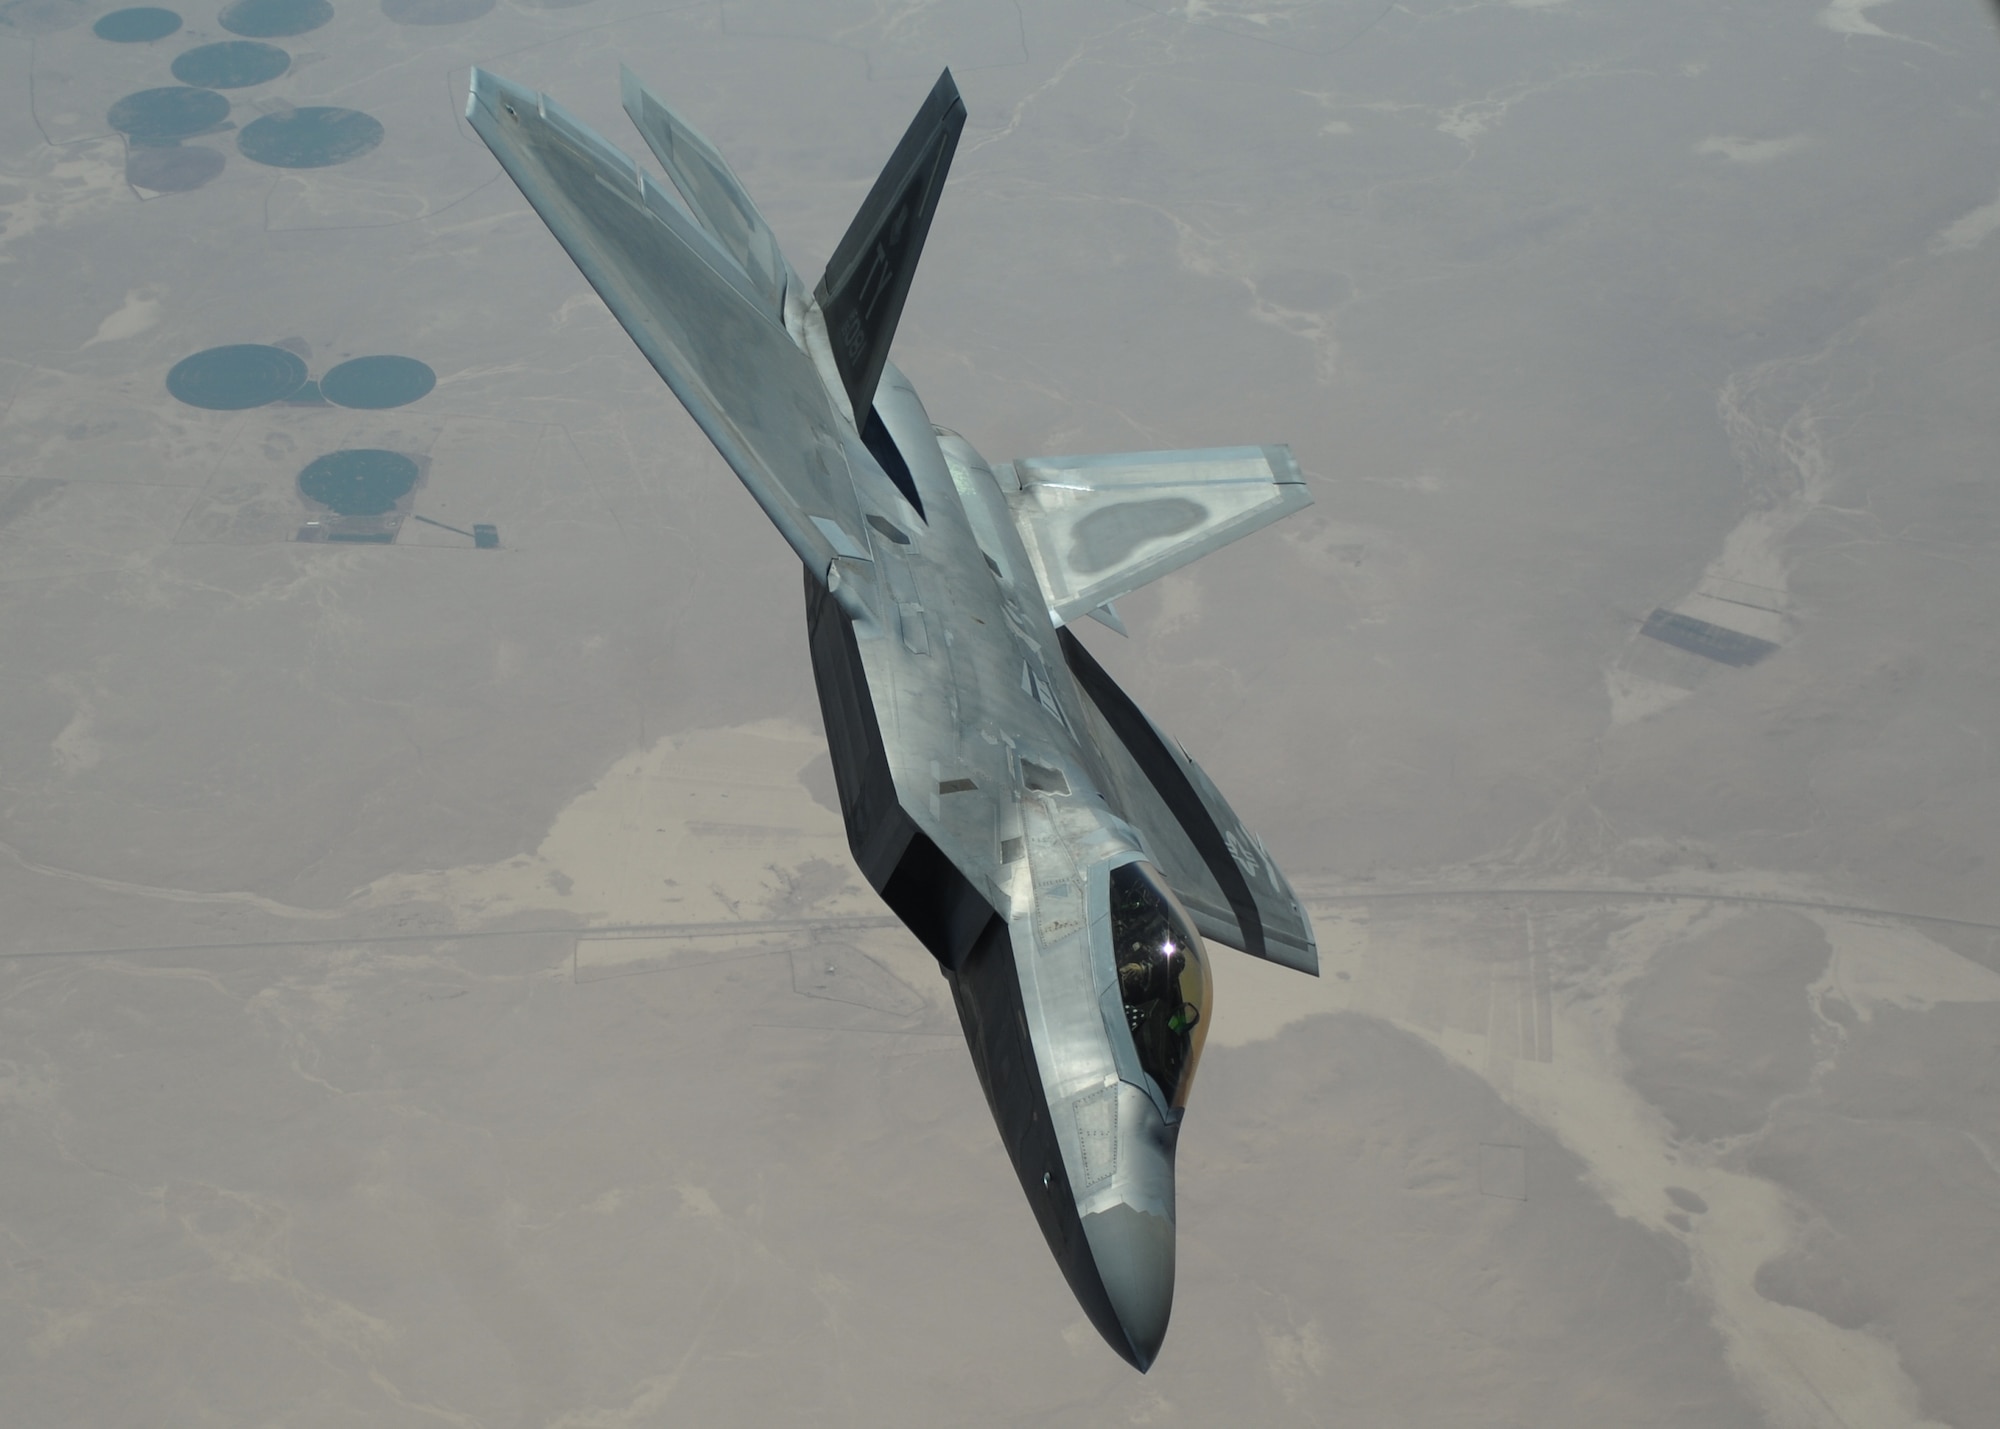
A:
x: 1162, y: 977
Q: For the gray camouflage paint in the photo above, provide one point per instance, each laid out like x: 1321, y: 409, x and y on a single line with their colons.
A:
x: 992, y: 778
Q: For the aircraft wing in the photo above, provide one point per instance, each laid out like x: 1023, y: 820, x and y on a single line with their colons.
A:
x: 1099, y: 526
x: 705, y: 321
x: 714, y: 194
x: 1216, y: 867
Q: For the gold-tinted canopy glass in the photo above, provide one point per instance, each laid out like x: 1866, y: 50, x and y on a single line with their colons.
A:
x: 1162, y: 977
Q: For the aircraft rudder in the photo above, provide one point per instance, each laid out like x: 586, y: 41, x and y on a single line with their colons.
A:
x: 868, y: 278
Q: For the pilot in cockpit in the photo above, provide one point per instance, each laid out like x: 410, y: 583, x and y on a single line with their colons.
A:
x: 1162, y: 977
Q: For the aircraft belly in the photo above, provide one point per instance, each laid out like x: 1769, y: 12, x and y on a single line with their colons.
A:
x: 987, y: 992
x: 940, y: 895
x: 926, y: 740
x: 1096, y: 1160
x: 1060, y: 982
x: 958, y: 698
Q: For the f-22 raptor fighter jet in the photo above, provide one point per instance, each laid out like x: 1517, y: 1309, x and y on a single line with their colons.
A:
x: 1060, y: 857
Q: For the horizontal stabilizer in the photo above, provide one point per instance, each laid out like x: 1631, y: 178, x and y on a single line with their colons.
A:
x: 713, y: 192
x: 1216, y: 867
x: 868, y: 278
x: 693, y: 310
x: 1097, y: 527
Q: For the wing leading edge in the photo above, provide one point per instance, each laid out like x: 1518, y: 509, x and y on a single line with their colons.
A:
x: 1097, y: 527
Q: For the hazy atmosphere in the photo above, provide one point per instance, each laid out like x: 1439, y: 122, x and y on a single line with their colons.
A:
x: 434, y: 988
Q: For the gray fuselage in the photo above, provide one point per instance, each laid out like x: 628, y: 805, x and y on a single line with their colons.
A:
x: 1059, y: 855
x: 953, y: 720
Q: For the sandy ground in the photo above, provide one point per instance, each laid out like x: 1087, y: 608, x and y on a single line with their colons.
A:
x: 435, y: 989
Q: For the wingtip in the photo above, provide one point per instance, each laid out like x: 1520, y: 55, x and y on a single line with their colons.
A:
x: 487, y: 91
x: 946, y: 88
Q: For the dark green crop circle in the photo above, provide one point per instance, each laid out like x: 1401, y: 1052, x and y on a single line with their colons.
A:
x: 274, y: 19
x: 172, y: 112
x: 362, y: 481
x: 136, y: 26
x: 232, y: 378
x: 309, y: 138
x: 231, y: 64
x: 377, y: 382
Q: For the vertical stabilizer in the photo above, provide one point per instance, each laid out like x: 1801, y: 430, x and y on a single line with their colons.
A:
x: 865, y: 285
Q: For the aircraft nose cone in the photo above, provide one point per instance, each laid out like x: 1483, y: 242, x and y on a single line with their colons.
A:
x: 1134, y: 1251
